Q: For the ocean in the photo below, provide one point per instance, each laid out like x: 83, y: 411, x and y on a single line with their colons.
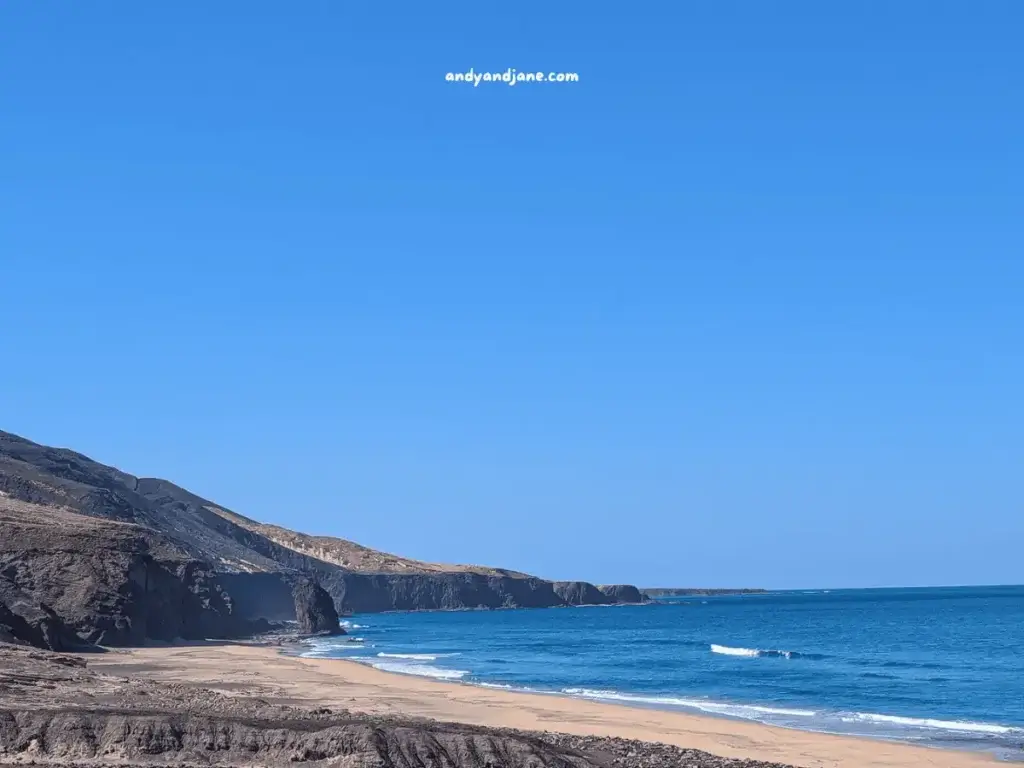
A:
x: 940, y: 666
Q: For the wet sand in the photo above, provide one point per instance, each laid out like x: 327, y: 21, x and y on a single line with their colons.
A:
x: 264, y: 672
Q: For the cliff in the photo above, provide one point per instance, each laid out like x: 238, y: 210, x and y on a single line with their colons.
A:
x: 159, y: 562
x: 623, y: 593
x: 656, y: 592
x: 580, y: 593
x: 68, y: 580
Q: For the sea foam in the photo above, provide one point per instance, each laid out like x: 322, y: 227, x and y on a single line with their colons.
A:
x: 403, y: 667
x: 417, y: 656
x: 753, y: 653
x: 727, y: 651
x: 742, y: 711
x: 931, y: 723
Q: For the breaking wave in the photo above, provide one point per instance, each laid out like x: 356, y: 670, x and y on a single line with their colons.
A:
x: 753, y: 653
x: 743, y: 711
x: 420, y: 670
x: 417, y: 656
x: 961, y: 726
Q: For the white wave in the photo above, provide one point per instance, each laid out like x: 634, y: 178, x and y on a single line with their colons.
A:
x: 420, y: 670
x: 321, y: 650
x: 743, y: 711
x: 725, y: 649
x: 417, y: 656
x: 756, y: 652
x: 499, y: 686
x: 931, y: 723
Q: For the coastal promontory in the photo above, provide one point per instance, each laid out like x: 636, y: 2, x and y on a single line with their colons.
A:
x: 90, y: 554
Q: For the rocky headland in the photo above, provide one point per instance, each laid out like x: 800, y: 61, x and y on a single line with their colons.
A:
x: 91, y: 555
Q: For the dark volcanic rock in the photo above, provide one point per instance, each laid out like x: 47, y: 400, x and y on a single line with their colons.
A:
x: 623, y: 593
x: 580, y: 593
x: 159, y: 738
x: 78, y: 580
x: 269, y: 596
x: 374, y: 592
x: 314, y: 609
x: 24, y: 620
x: 247, y: 556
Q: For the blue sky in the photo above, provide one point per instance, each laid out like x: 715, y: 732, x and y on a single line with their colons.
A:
x: 741, y: 307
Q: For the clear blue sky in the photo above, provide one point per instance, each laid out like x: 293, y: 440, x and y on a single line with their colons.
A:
x: 744, y: 306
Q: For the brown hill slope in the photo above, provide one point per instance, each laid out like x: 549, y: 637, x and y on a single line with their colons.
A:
x: 255, y: 561
x: 352, y: 556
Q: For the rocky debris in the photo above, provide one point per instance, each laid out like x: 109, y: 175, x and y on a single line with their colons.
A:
x: 314, y: 609
x: 622, y: 593
x: 157, y: 738
x: 627, y: 753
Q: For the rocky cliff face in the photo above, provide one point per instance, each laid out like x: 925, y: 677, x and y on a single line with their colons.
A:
x: 580, y: 593
x: 26, y: 621
x: 66, y: 579
x: 622, y: 593
x: 185, y: 565
x: 369, y: 593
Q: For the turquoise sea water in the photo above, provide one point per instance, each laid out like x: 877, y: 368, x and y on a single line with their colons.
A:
x: 941, y: 666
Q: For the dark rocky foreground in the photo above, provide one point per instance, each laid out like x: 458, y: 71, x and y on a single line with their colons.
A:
x: 54, y: 710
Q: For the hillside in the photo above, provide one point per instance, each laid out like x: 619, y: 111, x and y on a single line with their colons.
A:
x: 355, y: 557
x: 265, y: 570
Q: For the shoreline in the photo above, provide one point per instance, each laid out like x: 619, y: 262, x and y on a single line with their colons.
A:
x: 277, y: 673
x: 648, y: 706
x: 800, y: 716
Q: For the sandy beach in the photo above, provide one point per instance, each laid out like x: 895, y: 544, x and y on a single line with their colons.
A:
x: 264, y: 672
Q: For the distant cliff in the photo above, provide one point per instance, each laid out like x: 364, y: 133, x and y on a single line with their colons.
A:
x: 134, y: 559
x: 656, y: 592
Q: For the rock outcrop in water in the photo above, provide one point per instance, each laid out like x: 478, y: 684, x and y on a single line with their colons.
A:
x: 91, y: 554
x: 314, y: 609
